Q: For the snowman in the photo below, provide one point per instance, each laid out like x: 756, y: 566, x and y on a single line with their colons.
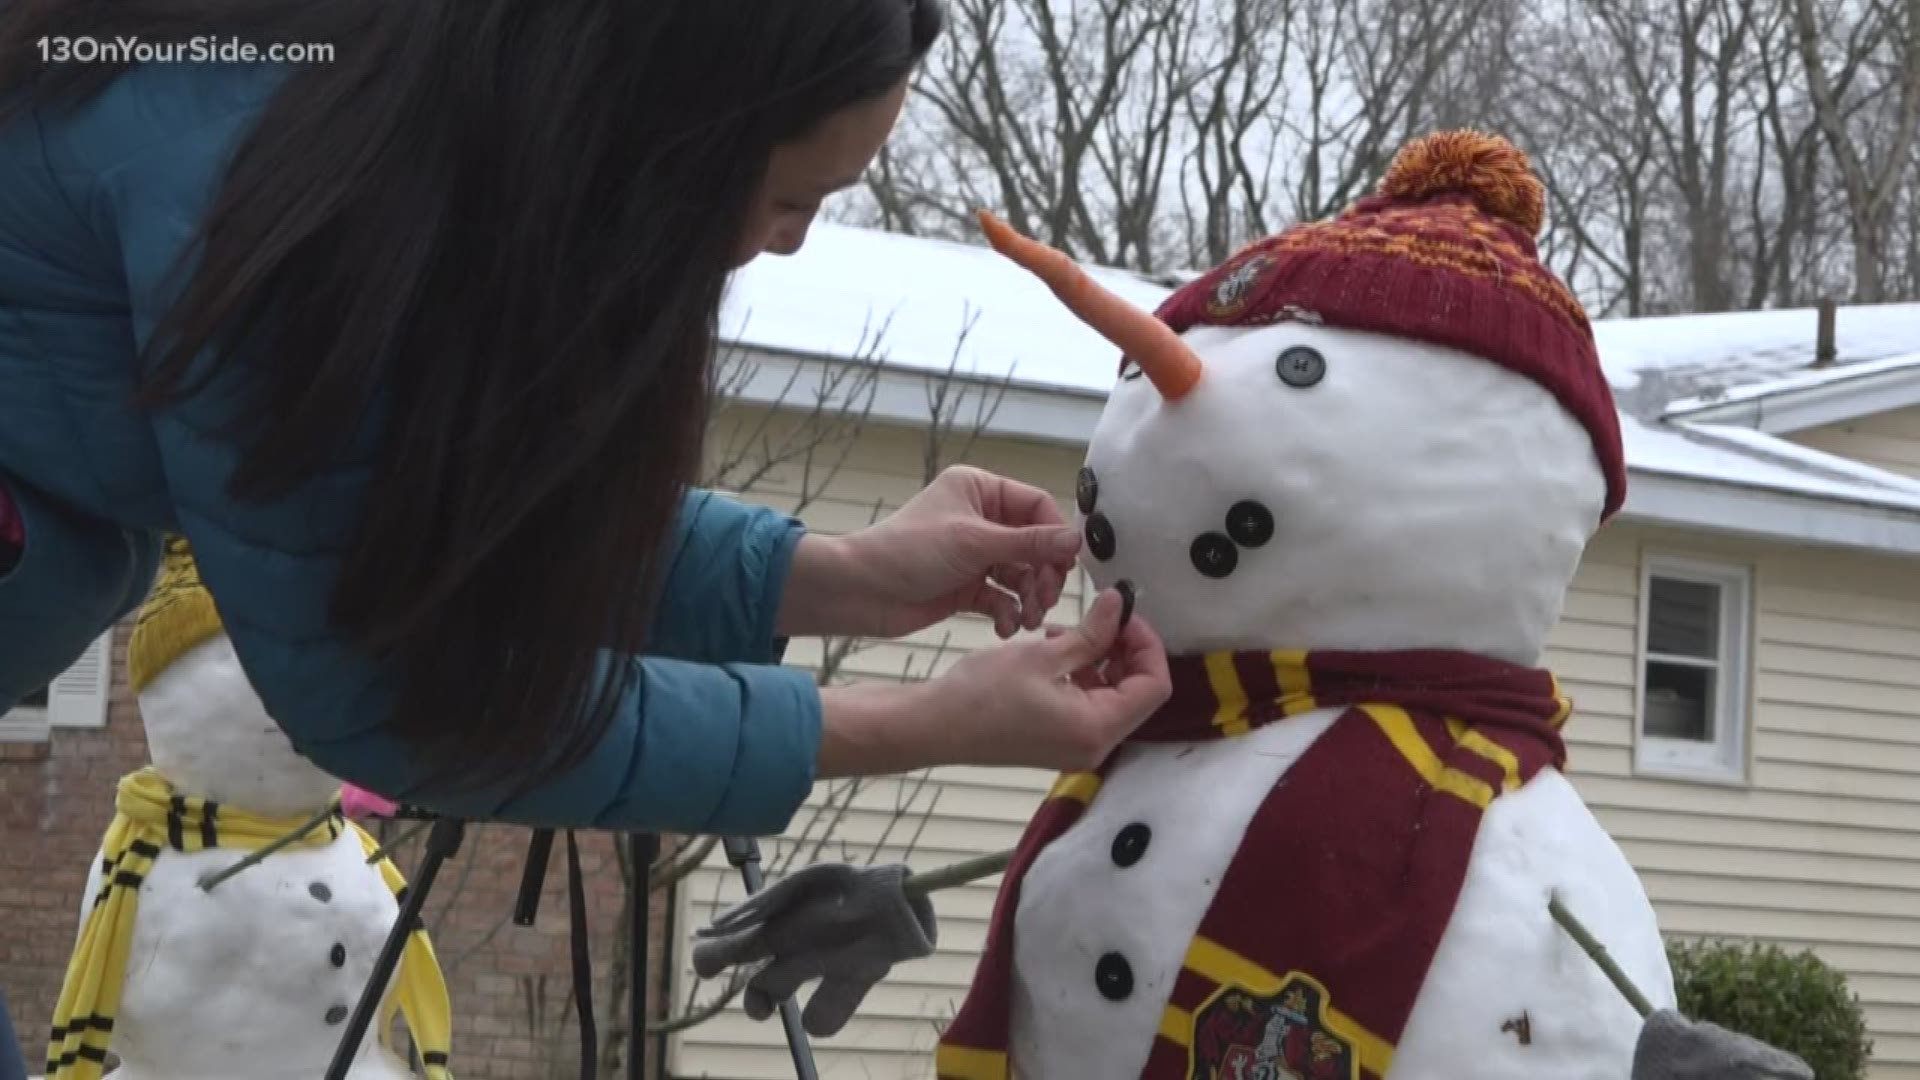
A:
x: 1349, y: 475
x: 185, y: 975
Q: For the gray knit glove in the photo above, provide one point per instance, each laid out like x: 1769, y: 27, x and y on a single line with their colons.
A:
x: 1674, y: 1048
x: 844, y: 925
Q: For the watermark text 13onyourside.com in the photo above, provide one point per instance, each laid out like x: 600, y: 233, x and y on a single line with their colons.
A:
x: 202, y: 49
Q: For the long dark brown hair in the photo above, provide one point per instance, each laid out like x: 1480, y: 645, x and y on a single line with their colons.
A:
x: 499, y: 231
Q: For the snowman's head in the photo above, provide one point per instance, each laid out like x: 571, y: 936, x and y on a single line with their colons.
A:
x: 208, y: 732
x: 1385, y: 432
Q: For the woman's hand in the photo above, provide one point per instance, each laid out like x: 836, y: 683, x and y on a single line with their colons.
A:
x: 1050, y: 704
x: 971, y: 542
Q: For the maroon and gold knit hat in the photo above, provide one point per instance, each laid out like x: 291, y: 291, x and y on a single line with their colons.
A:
x: 1443, y: 253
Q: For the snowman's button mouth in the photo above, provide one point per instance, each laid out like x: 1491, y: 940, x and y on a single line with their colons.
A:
x: 1100, y: 539
x: 1130, y: 844
x: 1086, y: 490
x: 1114, y: 977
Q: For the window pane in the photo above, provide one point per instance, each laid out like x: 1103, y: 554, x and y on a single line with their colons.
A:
x: 1679, y: 703
x: 1684, y: 619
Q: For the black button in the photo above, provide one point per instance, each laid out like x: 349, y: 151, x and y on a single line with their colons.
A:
x: 1249, y: 524
x: 1100, y: 536
x: 1129, y: 369
x: 1086, y: 491
x: 1301, y: 367
x: 336, y: 1014
x: 1130, y: 844
x: 1127, y: 596
x: 338, y: 955
x: 319, y: 891
x: 1214, y: 555
x: 1114, y: 976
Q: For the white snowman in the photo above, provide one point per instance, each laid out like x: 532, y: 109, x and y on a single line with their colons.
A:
x: 1349, y: 474
x: 256, y: 976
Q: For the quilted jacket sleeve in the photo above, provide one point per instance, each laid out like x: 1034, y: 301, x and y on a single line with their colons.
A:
x: 712, y: 737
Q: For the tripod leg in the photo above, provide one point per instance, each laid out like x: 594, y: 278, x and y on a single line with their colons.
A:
x: 744, y: 853
x: 582, y: 962
x: 442, y: 843
x: 527, y: 907
x: 642, y: 849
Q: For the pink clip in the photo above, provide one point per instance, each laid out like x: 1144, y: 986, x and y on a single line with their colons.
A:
x: 359, y: 803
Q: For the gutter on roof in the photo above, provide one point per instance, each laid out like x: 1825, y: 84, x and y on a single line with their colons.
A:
x: 1063, y: 416
x: 1797, y: 408
x: 1773, y: 515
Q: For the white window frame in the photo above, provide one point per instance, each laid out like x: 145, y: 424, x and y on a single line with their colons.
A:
x: 25, y: 724
x: 77, y: 698
x: 1724, y: 760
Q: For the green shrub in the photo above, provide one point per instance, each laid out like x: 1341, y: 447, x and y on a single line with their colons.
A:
x: 1795, y: 1002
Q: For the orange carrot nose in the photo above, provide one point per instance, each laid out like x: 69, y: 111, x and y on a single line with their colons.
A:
x: 1167, y: 361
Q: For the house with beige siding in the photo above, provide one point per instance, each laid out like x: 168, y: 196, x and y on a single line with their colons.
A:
x: 1742, y: 643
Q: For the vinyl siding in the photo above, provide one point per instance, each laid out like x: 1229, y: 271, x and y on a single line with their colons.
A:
x: 1890, y: 440
x: 1820, y: 848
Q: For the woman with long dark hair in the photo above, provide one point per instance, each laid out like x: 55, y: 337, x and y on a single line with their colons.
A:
x: 413, y: 346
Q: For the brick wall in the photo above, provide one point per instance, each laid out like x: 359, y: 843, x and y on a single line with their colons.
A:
x: 511, y: 986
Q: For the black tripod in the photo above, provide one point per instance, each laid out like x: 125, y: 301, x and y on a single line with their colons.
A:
x: 442, y: 842
x: 743, y: 853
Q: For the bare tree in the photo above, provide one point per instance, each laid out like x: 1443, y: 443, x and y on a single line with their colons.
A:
x: 1162, y: 134
x: 1690, y: 162
x: 1871, y: 146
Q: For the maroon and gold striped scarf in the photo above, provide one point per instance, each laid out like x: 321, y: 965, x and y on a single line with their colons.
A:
x: 1320, y: 935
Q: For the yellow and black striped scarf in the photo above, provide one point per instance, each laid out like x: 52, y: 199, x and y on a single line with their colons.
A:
x: 149, y: 819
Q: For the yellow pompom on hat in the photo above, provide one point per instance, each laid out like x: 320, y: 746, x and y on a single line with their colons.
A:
x: 178, y: 615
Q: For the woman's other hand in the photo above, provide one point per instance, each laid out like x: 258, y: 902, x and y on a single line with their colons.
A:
x: 970, y: 542
x: 1062, y: 703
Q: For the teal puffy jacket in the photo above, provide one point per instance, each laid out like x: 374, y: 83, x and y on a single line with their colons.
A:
x: 95, y: 204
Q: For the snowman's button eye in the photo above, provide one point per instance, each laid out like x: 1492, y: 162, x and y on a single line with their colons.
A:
x: 1129, y: 369
x: 1214, y: 555
x: 1249, y: 523
x: 1301, y: 367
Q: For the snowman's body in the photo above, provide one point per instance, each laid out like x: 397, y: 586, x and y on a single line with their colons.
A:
x: 1418, y: 498
x: 255, y: 979
x: 1503, y: 970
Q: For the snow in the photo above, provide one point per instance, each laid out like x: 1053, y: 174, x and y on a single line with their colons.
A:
x: 1747, y: 458
x: 908, y: 300
x: 1655, y: 362
x: 1806, y: 379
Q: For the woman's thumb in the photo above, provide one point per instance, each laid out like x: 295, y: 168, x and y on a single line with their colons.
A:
x: 1093, y: 639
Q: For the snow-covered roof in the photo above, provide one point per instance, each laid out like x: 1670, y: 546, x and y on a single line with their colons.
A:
x: 909, y: 300
x: 848, y: 286
x: 1659, y: 366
